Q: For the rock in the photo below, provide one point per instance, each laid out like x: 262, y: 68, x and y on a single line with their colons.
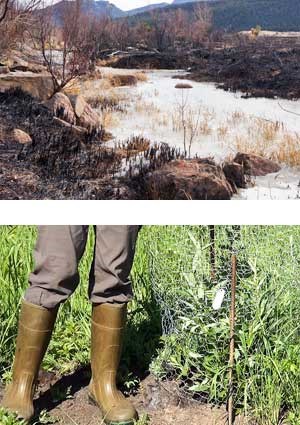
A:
x: 255, y: 165
x: 61, y: 107
x: 14, y: 136
x: 75, y: 129
x: 86, y: 116
x: 235, y: 174
x: 18, y: 61
x: 39, y: 86
x: 19, y: 136
x: 189, y: 179
x: 4, y: 69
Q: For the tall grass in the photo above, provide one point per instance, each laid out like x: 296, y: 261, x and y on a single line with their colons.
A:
x: 267, y: 331
x: 172, y: 328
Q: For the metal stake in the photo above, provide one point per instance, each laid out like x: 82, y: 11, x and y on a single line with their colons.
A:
x: 232, y: 342
x: 212, y: 252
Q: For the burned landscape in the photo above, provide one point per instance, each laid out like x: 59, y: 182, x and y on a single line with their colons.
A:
x: 142, y: 112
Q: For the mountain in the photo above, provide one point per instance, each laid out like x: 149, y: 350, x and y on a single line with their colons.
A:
x: 240, y: 15
x: 185, y: 1
x: 146, y: 9
x: 230, y: 15
x: 105, y: 7
x: 97, y: 8
x: 100, y: 8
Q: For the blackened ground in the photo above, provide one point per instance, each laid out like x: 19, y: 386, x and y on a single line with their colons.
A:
x: 261, y: 67
x: 268, y: 67
x: 61, y: 164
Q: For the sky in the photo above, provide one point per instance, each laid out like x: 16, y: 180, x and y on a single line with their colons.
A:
x: 132, y: 4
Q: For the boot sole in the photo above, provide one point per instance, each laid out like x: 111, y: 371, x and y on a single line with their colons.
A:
x: 94, y: 402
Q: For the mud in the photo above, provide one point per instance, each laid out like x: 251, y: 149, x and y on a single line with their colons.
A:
x: 65, y: 399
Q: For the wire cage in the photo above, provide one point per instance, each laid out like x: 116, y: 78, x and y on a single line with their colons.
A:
x: 191, y: 274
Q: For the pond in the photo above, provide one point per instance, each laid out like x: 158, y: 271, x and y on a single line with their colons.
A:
x: 217, y: 124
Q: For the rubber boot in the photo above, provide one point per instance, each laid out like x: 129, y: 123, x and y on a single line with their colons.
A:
x: 108, y: 322
x: 34, y: 333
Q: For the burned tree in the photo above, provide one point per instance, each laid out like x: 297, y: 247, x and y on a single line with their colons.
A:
x: 202, y: 22
x: 15, y: 19
x: 68, y: 46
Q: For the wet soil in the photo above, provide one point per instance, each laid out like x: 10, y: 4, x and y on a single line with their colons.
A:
x: 65, y: 399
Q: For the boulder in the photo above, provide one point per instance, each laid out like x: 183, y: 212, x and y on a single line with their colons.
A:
x: 85, y: 116
x: 23, y: 61
x: 189, y: 179
x: 255, y: 165
x: 61, y: 107
x: 19, y: 136
x: 14, y: 136
x: 235, y: 174
x: 39, y: 86
x: 75, y: 129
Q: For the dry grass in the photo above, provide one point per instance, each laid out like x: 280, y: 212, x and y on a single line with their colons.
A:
x: 141, y: 106
x: 73, y: 88
x: 108, y: 119
x: 236, y: 118
x: 110, y: 101
x: 267, y: 130
x: 141, y: 76
x: 196, y: 120
x: 289, y: 150
x: 121, y: 80
x: 285, y: 150
x: 222, y: 131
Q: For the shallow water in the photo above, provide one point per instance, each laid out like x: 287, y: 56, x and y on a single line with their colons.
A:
x: 223, y: 118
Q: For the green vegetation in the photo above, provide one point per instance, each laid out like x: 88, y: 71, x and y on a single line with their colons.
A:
x: 174, y: 289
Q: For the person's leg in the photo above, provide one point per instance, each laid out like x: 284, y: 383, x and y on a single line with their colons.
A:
x: 57, y: 253
x: 113, y: 259
x: 55, y: 277
x: 110, y: 290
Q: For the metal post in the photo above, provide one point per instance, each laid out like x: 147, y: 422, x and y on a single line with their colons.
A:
x: 212, y: 252
x: 232, y: 342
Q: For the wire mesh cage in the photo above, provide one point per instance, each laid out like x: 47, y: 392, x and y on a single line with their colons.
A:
x: 191, y: 274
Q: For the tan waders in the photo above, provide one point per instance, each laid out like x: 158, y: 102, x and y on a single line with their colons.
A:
x: 108, y: 322
x: 34, y: 333
x: 55, y: 277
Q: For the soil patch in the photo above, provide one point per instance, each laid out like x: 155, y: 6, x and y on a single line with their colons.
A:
x: 65, y: 398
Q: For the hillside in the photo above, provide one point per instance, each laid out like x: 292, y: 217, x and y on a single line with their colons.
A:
x: 146, y: 8
x: 276, y: 15
x: 182, y: 1
x: 230, y: 15
x: 97, y: 8
x: 238, y: 15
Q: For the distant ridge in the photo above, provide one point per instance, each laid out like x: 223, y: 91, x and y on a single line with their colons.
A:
x: 242, y: 15
x: 146, y: 8
x: 230, y: 15
x: 186, y: 1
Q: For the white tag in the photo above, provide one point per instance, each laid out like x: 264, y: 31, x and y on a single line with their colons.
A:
x: 219, y: 298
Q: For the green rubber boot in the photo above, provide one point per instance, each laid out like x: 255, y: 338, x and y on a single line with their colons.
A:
x: 108, y: 322
x: 34, y: 333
